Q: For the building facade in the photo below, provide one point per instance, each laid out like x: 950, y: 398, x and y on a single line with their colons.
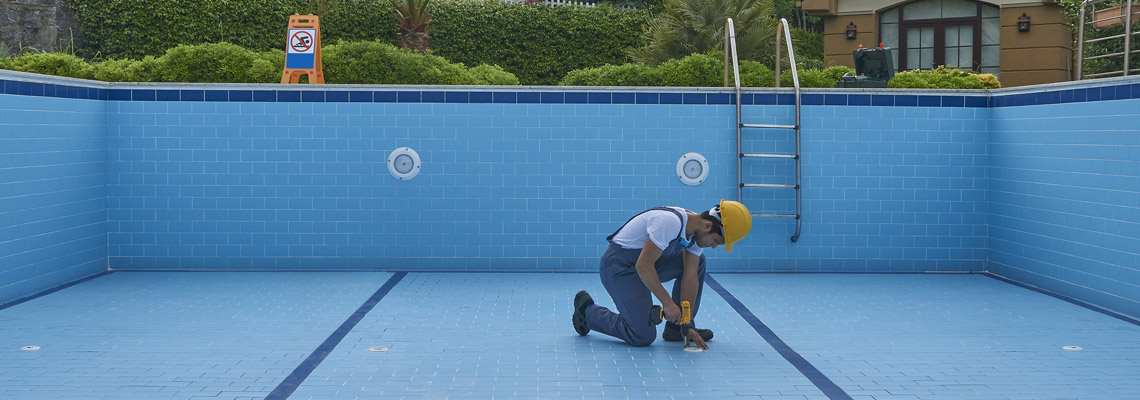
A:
x: 1023, y: 42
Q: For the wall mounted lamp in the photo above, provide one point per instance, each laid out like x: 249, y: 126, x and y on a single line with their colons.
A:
x: 1023, y: 23
x: 851, y: 31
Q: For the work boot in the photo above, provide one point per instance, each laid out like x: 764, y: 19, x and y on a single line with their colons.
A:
x: 581, y: 301
x: 672, y: 333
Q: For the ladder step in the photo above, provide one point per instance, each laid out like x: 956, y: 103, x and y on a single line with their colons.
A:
x: 768, y: 126
x: 769, y: 185
x: 776, y: 216
x: 761, y: 155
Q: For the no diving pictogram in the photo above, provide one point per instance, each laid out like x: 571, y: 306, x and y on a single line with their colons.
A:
x: 301, y: 42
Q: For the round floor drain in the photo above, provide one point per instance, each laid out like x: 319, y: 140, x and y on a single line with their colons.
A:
x: 1072, y: 348
x: 30, y: 348
x: 378, y: 349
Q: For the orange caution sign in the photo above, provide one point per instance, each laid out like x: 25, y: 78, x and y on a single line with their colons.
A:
x: 303, y: 50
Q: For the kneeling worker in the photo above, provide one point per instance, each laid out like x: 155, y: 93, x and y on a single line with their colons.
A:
x: 659, y: 245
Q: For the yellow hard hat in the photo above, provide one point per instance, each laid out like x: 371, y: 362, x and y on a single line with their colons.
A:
x: 735, y: 219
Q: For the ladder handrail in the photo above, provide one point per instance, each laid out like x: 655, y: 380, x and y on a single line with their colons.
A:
x: 731, y: 53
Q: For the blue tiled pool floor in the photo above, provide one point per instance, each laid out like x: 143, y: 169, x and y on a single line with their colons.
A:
x: 170, y: 335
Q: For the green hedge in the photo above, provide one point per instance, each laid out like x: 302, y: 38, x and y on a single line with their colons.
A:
x: 135, y: 28
x: 346, y: 62
x: 539, y: 44
x: 697, y: 70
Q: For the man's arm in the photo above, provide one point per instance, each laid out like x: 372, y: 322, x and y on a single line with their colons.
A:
x: 690, y: 282
x: 648, y: 274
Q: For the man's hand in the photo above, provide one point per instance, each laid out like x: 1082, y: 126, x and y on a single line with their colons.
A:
x: 696, y: 339
x: 672, y: 312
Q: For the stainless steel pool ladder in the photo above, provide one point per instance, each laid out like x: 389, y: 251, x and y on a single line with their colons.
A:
x: 730, y: 49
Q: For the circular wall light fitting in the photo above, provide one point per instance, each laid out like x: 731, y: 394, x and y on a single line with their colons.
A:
x: 692, y: 169
x: 404, y: 163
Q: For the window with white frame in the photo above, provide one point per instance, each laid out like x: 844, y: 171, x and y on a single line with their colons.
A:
x: 959, y: 34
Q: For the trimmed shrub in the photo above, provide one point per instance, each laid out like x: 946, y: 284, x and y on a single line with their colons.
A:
x: 815, y: 78
x: 215, y: 63
x: 614, y: 75
x: 382, y: 63
x: 492, y: 75
x: 113, y: 71
x: 58, y: 64
x: 697, y: 70
x: 939, y: 78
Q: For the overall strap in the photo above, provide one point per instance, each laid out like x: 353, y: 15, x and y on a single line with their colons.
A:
x: 610, y: 238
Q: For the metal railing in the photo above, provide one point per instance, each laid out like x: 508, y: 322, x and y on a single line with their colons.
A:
x: 1124, y: 14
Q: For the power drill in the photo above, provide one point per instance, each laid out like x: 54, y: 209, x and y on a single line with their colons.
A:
x: 656, y: 315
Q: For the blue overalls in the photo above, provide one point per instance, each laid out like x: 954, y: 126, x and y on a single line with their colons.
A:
x: 619, y: 275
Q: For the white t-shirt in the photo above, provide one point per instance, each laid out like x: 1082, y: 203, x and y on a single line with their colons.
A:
x: 660, y: 226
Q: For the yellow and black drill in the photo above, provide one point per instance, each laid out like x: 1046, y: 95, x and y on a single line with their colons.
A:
x: 656, y: 315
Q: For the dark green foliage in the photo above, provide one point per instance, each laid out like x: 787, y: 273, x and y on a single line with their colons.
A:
x: 217, y: 63
x: 135, y: 28
x: 698, y: 70
x: 383, y: 63
x: 938, y: 78
x: 58, y: 64
x: 538, y: 44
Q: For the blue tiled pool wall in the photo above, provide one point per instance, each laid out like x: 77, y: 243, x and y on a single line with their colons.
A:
x: 856, y: 193
x: 52, y: 192
x: 211, y: 185
x: 1065, y: 199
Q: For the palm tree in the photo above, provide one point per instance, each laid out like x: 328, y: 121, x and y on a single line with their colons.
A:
x: 697, y: 26
x: 412, y: 18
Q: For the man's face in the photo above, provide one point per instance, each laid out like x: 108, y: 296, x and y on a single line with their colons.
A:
x: 707, y: 239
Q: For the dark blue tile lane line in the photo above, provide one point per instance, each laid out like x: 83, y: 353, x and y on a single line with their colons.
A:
x: 829, y: 388
x: 302, y: 372
x: 1065, y: 298
x: 52, y: 290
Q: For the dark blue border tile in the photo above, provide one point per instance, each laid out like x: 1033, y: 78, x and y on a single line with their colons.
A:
x: 599, y: 98
x: 812, y: 99
x: 313, y: 96
x: 671, y: 98
x: 953, y: 101
x: 720, y: 98
x: 786, y: 99
x: 767, y: 99
x: 576, y: 98
x: 882, y: 100
x: 193, y: 95
x: 1123, y: 92
x: 240, y: 95
x: 834, y: 99
x: 407, y: 97
x: 142, y: 95
x: 336, y: 97
x: 624, y: 98
x: 975, y: 101
x: 648, y: 98
x: 167, y: 95
x: 223, y: 95
x: 264, y: 95
x: 529, y: 97
x: 288, y: 96
x: 552, y: 97
x: 929, y: 101
x: 1053, y: 97
x: 504, y: 97
x: 906, y: 100
x: 1080, y: 95
x: 858, y: 99
x: 3, y: 83
x: 1092, y: 94
x: 457, y: 97
x: 482, y: 97
x: 752, y: 99
x: 1135, y: 91
x: 432, y: 97
x: 357, y: 96
x: 119, y: 95
x: 385, y: 97
x: 694, y: 98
